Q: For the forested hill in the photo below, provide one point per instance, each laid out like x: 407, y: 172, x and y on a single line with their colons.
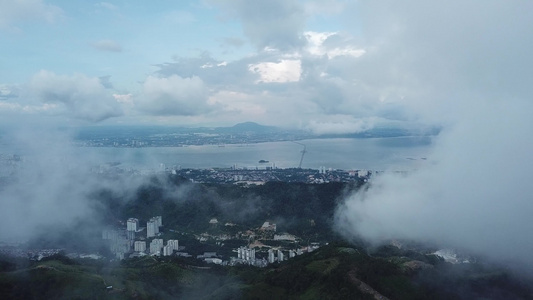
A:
x: 336, y: 271
x: 295, y: 207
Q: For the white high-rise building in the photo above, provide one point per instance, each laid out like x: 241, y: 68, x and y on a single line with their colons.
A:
x: 167, y: 250
x: 280, y: 256
x: 110, y: 234
x: 140, y: 246
x: 130, y: 235
x: 291, y: 254
x: 151, y: 228
x: 246, y: 254
x: 173, y: 244
x: 132, y: 224
x: 271, y: 257
x: 155, y: 246
x: 159, y: 221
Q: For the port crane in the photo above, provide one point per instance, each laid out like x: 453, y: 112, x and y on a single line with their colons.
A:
x: 303, y: 153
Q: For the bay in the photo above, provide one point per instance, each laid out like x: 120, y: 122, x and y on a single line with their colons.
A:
x: 398, y: 153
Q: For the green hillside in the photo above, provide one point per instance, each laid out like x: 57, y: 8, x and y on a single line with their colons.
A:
x: 336, y: 271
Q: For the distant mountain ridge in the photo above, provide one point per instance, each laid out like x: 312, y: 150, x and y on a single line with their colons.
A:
x: 246, y: 132
x: 239, y: 127
x: 248, y: 127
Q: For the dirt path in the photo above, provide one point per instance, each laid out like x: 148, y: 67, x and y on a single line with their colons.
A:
x: 365, y: 288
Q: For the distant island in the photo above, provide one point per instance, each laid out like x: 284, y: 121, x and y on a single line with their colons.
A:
x: 241, y: 133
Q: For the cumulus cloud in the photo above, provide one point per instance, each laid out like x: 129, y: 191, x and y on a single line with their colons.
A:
x: 264, y: 107
x: 464, y: 65
x: 299, y: 84
x: 239, y: 103
x: 174, y: 95
x: 287, y: 70
x: 123, y: 98
x: 75, y: 96
x: 8, y: 91
x: 107, y: 45
x: 14, y: 12
x: 268, y: 23
x: 435, y: 55
x: 320, y: 43
x: 393, y: 67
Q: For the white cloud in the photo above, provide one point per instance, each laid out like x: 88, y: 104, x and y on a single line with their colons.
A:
x: 76, y: 96
x: 124, y: 98
x: 240, y: 103
x: 268, y: 23
x: 315, y: 41
x: 345, y: 52
x: 324, y: 7
x: 284, y: 71
x: 473, y: 194
x: 14, y: 12
x: 8, y: 91
x: 316, y: 45
x: 18, y: 108
x: 438, y: 56
x: 174, y: 95
x: 52, y: 187
x: 9, y: 107
x: 107, y: 45
x: 465, y: 65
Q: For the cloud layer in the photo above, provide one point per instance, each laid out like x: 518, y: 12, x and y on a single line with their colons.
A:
x: 78, y: 96
x: 466, y: 66
x: 14, y: 12
x: 268, y: 24
x: 174, y: 95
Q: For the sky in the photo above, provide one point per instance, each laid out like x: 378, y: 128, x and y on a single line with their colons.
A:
x: 295, y: 64
x: 329, y: 66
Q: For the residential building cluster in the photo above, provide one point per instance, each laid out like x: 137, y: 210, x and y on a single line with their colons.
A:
x: 250, y: 255
x: 132, y: 242
x: 260, y: 175
x: 136, y: 241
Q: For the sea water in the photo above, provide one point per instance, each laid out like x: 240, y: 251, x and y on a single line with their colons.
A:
x: 398, y: 153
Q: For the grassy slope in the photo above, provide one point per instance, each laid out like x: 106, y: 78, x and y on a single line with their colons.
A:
x: 332, y: 272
